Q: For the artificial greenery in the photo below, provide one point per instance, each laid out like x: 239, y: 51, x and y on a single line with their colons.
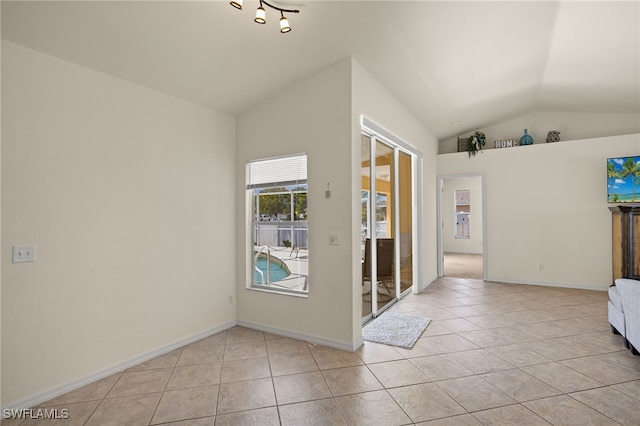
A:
x: 475, y: 143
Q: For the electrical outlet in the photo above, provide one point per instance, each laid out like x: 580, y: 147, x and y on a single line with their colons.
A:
x: 22, y: 254
x: 540, y: 266
x: 230, y: 299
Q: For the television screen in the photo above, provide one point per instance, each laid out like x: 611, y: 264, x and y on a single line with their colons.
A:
x: 623, y: 180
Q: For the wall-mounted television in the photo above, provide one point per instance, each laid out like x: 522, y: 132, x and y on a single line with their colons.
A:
x: 623, y: 179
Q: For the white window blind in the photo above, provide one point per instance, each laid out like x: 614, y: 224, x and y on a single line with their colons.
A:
x: 281, y: 171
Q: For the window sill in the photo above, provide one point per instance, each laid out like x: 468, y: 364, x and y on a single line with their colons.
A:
x: 272, y: 290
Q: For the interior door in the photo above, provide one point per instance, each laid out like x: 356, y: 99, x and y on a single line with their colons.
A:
x: 462, y: 242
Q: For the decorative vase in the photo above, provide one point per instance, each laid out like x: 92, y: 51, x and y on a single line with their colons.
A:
x: 526, y: 139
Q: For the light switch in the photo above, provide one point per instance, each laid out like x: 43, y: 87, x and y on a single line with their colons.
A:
x: 334, y: 238
x: 23, y: 254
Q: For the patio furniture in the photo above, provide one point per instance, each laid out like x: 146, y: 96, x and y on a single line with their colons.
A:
x: 296, y: 249
x: 385, y: 252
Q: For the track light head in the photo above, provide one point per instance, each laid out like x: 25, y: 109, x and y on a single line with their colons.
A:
x: 284, y: 24
x: 261, y: 15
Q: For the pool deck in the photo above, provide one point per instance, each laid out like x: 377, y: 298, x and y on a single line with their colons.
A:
x: 297, y: 260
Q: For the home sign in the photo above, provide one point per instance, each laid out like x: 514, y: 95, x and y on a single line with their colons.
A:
x: 506, y: 143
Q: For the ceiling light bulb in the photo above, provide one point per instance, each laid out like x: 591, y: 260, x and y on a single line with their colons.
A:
x: 284, y: 25
x: 261, y: 15
x: 236, y: 3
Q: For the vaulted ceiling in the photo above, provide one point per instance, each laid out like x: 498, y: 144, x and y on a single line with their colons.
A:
x: 455, y: 65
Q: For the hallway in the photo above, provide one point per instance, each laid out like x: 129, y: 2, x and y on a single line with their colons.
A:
x: 463, y: 265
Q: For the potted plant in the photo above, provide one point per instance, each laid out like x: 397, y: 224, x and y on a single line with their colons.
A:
x: 475, y: 143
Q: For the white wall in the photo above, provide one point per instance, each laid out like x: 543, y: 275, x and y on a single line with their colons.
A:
x: 573, y: 126
x: 322, y: 116
x: 547, y: 204
x: 371, y: 100
x: 126, y: 194
x: 473, y: 244
x: 313, y: 117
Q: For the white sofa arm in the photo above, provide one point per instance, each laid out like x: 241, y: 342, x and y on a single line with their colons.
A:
x: 630, y: 294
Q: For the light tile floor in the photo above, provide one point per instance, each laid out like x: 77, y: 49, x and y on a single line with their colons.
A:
x: 494, y: 354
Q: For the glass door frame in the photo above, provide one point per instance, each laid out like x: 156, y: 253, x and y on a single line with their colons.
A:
x: 398, y: 146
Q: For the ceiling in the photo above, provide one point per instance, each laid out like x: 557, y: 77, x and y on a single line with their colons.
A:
x: 455, y: 65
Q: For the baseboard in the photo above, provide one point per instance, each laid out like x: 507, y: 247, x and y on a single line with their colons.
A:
x: 305, y: 337
x: 548, y: 284
x: 56, y: 391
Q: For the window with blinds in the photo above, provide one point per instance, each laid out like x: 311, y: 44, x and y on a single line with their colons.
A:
x: 279, y: 223
x: 282, y: 171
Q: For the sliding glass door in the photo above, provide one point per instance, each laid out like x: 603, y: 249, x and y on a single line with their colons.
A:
x: 405, y: 220
x: 387, y: 224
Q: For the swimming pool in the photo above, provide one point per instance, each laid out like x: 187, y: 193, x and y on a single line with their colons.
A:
x: 278, y: 270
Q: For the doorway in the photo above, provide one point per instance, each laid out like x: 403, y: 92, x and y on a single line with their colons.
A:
x: 462, y: 230
x: 388, y: 201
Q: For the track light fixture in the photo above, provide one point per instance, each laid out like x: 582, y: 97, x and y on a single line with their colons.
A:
x: 261, y: 14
